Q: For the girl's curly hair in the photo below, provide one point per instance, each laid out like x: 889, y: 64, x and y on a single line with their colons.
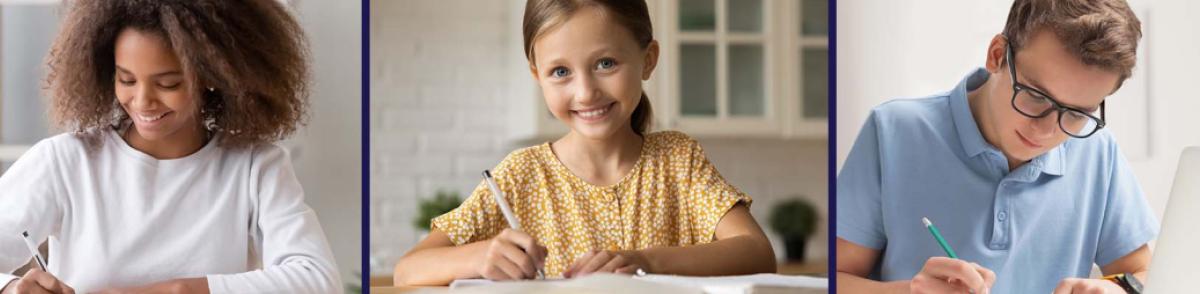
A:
x: 247, y: 61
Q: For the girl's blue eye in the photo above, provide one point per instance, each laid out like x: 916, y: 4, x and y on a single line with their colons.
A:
x: 560, y: 72
x: 606, y: 63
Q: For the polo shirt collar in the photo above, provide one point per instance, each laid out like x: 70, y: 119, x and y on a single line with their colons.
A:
x: 964, y: 122
x: 972, y: 140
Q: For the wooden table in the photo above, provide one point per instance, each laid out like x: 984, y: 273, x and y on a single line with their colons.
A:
x: 401, y: 289
x: 383, y: 284
x: 819, y: 268
x: 381, y: 281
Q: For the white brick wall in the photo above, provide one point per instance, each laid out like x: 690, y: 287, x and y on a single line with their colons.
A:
x: 772, y: 170
x: 439, y: 82
x: 436, y: 108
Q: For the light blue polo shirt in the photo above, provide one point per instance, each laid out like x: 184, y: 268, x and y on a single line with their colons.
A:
x: 1049, y: 219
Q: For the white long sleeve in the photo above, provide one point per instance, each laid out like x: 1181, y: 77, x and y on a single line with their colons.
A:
x: 116, y: 217
x: 31, y: 204
x: 293, y: 247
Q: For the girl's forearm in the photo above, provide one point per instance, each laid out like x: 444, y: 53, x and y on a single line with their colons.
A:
x: 438, y: 266
x: 733, y: 256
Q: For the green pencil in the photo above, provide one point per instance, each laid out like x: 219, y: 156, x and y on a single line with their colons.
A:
x: 938, y: 236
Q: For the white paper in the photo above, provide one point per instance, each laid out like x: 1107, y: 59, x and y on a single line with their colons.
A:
x: 649, y: 284
x: 597, y: 283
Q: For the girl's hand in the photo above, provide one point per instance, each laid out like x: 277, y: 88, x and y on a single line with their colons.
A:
x: 512, y: 255
x: 37, y: 281
x: 948, y: 275
x: 605, y: 261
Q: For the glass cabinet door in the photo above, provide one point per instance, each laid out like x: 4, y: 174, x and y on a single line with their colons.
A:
x: 814, y: 59
x: 722, y: 59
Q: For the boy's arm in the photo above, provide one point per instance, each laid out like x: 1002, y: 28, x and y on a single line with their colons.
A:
x: 854, y: 263
x: 1135, y: 262
x: 938, y: 275
x: 1128, y: 224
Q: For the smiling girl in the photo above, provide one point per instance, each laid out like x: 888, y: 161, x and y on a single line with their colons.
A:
x: 607, y: 196
x: 168, y: 180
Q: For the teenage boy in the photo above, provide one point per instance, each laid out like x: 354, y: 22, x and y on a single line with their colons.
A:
x: 1013, y: 166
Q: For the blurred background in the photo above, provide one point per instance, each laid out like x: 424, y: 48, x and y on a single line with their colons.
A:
x: 895, y: 49
x: 326, y: 153
x: 451, y: 95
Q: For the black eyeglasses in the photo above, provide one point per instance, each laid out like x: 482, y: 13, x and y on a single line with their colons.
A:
x: 1032, y: 103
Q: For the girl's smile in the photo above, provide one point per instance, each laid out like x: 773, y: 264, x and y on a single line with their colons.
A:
x: 590, y: 72
x: 593, y: 114
x: 146, y: 120
x: 151, y: 87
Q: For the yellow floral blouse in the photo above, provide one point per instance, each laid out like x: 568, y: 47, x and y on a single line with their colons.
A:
x: 673, y: 196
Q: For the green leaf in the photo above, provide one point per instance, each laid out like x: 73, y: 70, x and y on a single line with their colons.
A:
x: 429, y: 208
x: 794, y: 217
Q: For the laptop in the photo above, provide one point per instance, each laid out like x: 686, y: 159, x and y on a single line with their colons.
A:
x: 1176, y: 262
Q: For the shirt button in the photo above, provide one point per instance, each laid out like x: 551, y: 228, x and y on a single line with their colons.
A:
x: 1002, y: 216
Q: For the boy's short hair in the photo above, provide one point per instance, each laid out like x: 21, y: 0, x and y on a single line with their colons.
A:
x: 1101, y: 33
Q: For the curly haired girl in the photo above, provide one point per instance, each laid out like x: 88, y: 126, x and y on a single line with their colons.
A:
x: 168, y: 179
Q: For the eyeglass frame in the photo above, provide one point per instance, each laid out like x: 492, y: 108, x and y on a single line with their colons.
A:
x: 1054, y: 104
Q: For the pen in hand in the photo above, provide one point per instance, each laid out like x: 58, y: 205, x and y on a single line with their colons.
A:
x: 941, y: 242
x: 508, y: 214
x: 37, y: 256
x: 938, y: 235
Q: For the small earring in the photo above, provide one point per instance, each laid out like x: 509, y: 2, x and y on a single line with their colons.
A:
x: 210, y: 124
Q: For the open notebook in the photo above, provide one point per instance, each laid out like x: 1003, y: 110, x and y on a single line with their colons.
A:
x: 651, y: 284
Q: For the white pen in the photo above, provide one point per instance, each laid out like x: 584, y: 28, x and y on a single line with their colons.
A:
x: 508, y: 214
x: 37, y: 256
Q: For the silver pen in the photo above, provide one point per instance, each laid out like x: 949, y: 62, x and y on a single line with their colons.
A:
x: 37, y: 256
x: 508, y: 214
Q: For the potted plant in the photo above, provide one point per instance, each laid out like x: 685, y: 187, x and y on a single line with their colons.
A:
x: 429, y: 208
x: 795, y: 220
x: 354, y: 286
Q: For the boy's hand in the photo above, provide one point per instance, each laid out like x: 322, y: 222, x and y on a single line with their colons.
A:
x: 948, y: 275
x: 512, y: 255
x: 604, y: 261
x: 1087, y: 286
